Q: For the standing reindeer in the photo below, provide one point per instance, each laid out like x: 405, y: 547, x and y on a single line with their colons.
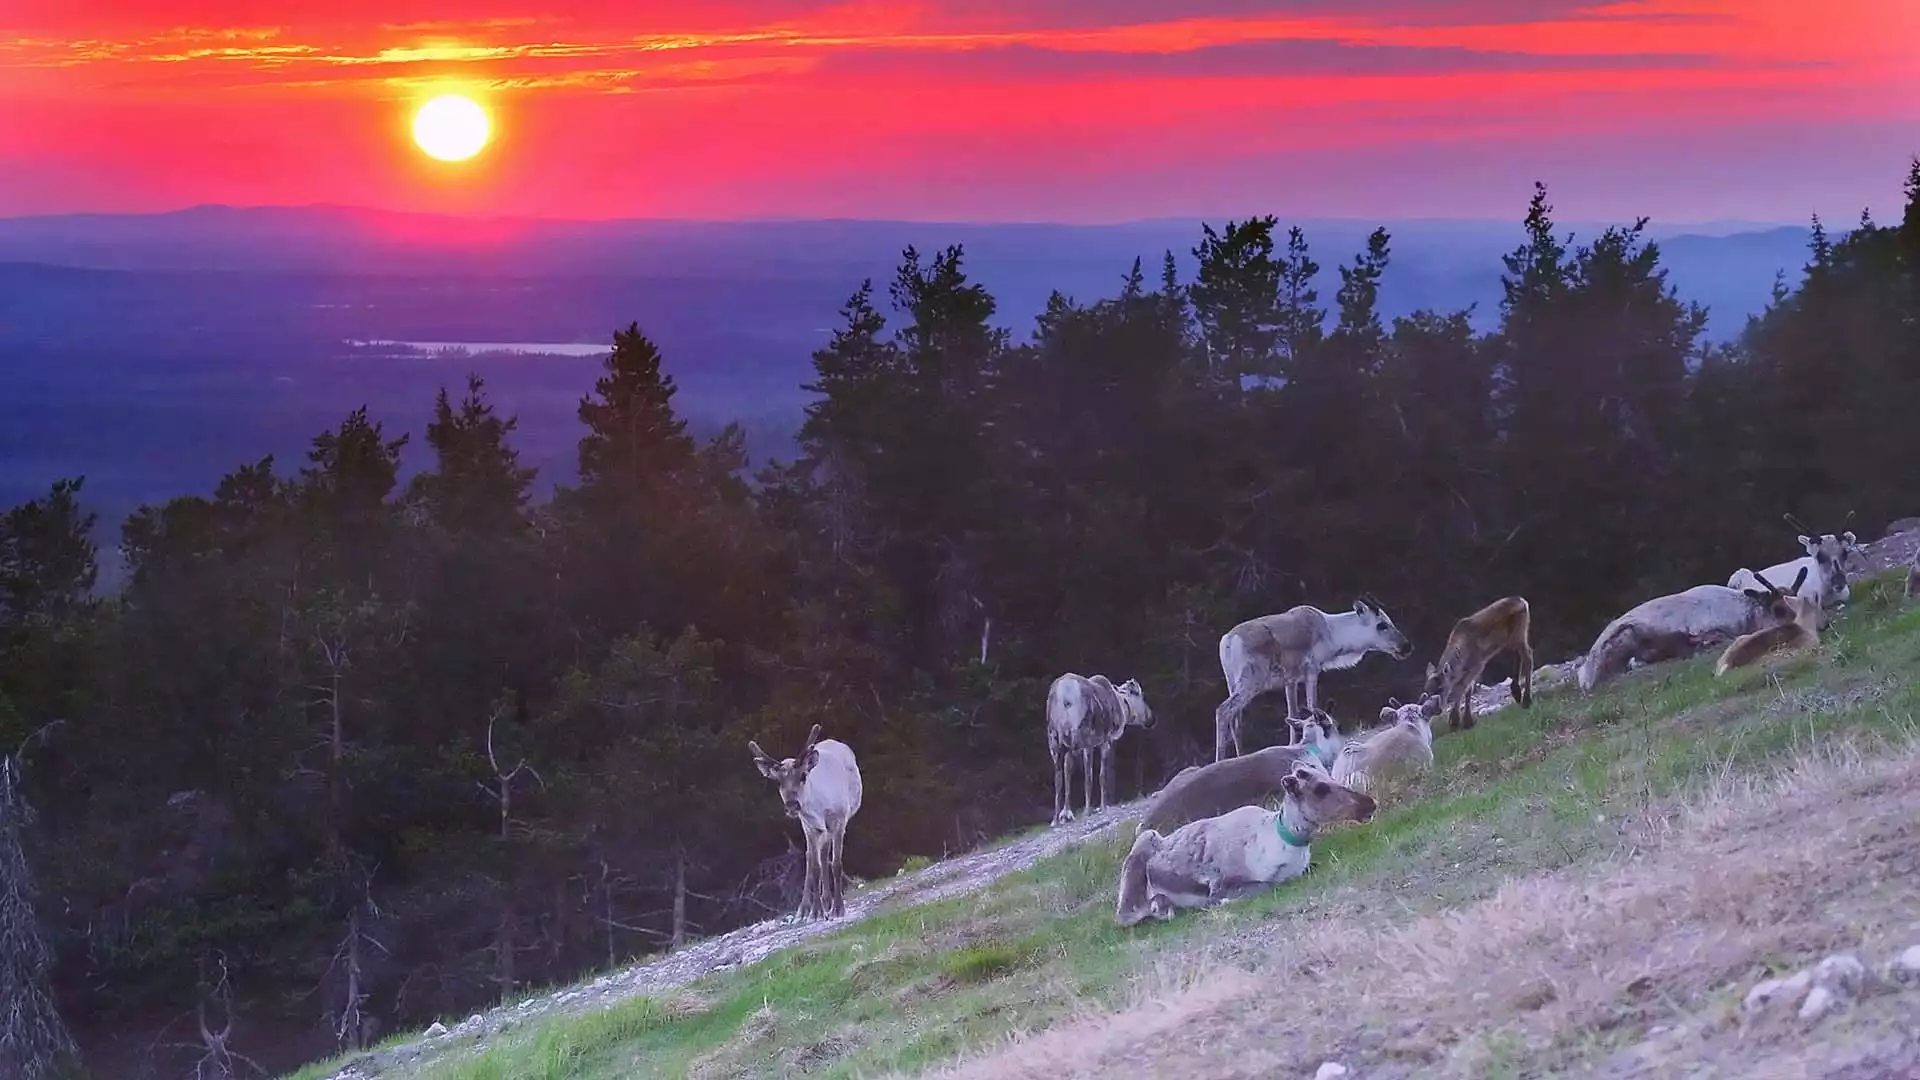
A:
x: 1475, y: 640
x: 820, y: 787
x: 1284, y: 651
x: 1085, y: 717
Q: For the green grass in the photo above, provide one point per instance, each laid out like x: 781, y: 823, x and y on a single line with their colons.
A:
x: 1526, y: 790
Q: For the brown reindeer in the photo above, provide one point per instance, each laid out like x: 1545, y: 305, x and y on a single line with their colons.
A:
x: 1475, y: 640
x: 1809, y: 618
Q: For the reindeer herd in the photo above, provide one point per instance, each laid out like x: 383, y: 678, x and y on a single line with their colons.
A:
x: 1207, y: 836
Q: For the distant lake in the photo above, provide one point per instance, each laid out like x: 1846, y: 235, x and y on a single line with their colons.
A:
x: 528, y: 348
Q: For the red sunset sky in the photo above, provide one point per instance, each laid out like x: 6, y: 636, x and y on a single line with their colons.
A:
x: 1067, y: 110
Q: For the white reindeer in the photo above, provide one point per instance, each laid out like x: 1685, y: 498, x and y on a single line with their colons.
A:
x: 1086, y: 716
x: 820, y: 787
x: 1827, y: 561
x: 1678, y: 623
x: 1237, y: 854
x: 1284, y: 651
x: 1403, y: 746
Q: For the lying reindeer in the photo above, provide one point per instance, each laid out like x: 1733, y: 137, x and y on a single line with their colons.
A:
x: 1826, y: 561
x: 1476, y: 639
x: 1809, y: 618
x: 1401, y: 749
x: 821, y: 788
x: 1204, y: 791
x: 1237, y: 854
x: 1703, y: 614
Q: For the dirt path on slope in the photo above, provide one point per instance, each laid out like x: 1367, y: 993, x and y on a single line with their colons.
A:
x: 747, y: 945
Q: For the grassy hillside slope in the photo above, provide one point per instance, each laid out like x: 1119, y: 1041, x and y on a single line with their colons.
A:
x: 1572, y: 782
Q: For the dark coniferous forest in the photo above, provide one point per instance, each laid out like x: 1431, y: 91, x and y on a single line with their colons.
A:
x: 343, y: 755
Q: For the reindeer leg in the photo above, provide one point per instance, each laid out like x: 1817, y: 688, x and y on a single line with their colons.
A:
x: 1313, y: 692
x: 1062, y: 769
x: 830, y: 871
x: 1225, y: 716
x: 810, y: 887
x: 1087, y: 782
x: 1526, y: 664
x: 1106, y: 776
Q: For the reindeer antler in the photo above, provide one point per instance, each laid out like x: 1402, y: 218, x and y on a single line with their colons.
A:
x: 1797, y: 523
x: 812, y: 736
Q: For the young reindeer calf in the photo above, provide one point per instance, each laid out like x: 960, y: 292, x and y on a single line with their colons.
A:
x: 1391, y: 754
x: 821, y: 788
x: 1809, y: 618
x: 1240, y: 853
x: 1476, y: 639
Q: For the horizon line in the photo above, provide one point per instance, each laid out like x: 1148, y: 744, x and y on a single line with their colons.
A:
x: 839, y: 220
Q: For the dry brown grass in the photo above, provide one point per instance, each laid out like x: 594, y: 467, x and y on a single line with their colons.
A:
x: 1626, y: 969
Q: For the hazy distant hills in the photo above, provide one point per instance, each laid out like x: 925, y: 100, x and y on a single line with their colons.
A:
x: 155, y: 352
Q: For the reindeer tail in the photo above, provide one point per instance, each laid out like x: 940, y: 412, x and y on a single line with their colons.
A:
x: 1132, y: 905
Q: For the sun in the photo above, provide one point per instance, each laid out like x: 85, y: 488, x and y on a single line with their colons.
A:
x: 451, y: 128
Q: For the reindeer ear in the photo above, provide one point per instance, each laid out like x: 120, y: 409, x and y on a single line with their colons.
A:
x: 1849, y: 537
x: 1291, y: 783
x: 1360, y: 607
x: 813, y: 758
x: 760, y: 759
x: 1389, y: 715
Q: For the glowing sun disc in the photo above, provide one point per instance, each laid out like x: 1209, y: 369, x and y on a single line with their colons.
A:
x: 451, y: 128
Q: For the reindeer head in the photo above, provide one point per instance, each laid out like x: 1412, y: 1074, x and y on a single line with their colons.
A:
x: 1842, y: 552
x: 791, y: 774
x: 1321, y: 800
x: 1387, y: 637
x: 1133, y: 701
x: 1426, y: 708
x: 1321, y: 732
x: 1778, y: 604
x: 1436, y: 679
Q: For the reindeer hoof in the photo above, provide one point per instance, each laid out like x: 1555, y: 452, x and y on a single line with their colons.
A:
x: 1063, y: 817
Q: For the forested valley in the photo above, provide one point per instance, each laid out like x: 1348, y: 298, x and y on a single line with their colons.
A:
x: 344, y: 755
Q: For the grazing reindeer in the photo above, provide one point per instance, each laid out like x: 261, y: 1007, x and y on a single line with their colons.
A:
x: 1809, y: 618
x: 1702, y: 615
x: 820, y: 787
x: 1284, y: 651
x: 1826, y: 561
x: 1237, y: 854
x: 1204, y: 791
x: 1087, y: 716
x: 1475, y: 640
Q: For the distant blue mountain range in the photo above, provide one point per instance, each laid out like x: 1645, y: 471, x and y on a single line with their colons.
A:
x: 155, y: 352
